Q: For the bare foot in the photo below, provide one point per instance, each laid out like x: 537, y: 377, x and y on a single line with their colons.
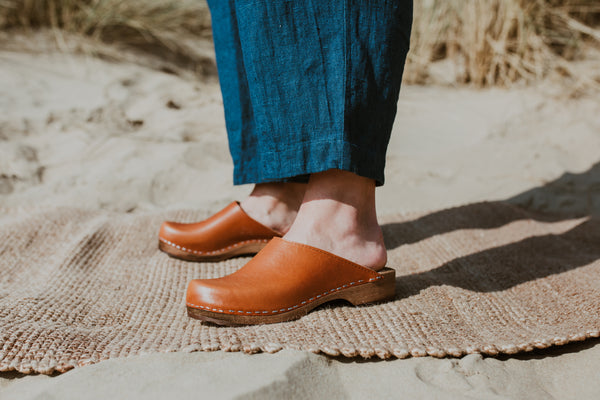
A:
x: 275, y: 204
x: 338, y: 215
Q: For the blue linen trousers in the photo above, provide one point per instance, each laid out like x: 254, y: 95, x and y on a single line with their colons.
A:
x: 309, y: 85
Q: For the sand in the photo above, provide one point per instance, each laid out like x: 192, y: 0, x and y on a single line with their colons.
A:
x: 290, y: 374
x: 81, y: 131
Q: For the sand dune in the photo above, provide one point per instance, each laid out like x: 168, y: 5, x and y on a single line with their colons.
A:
x: 80, y: 131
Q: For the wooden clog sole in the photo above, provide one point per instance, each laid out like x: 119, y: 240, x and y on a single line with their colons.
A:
x: 371, y: 292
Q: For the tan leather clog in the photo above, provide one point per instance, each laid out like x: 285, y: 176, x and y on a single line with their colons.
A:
x: 285, y: 281
x: 228, y: 233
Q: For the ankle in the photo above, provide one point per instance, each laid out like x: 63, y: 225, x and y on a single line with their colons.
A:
x: 341, y: 230
x: 274, y: 204
x: 344, y: 198
x: 338, y: 215
x: 342, y: 186
x: 288, y: 193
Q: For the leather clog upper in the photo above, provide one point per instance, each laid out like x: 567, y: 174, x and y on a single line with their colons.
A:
x: 226, y: 229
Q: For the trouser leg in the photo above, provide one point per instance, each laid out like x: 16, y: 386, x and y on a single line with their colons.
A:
x: 239, y: 117
x: 323, y: 79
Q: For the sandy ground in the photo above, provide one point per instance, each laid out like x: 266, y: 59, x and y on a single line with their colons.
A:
x: 80, y: 131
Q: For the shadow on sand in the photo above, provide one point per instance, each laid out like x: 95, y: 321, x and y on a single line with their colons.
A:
x: 568, y: 197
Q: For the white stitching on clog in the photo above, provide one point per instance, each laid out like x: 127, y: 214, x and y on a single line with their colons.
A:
x: 289, y: 308
x: 214, y: 252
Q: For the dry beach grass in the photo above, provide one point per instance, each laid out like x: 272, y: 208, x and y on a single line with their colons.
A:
x: 497, y: 42
x: 484, y: 42
x: 111, y: 20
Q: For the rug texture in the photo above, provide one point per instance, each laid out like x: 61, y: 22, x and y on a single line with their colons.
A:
x: 78, y: 287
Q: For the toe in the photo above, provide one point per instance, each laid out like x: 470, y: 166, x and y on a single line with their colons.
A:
x: 171, y: 231
x: 202, y: 293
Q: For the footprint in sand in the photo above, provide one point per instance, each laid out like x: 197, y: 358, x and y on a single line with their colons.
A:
x: 19, y: 167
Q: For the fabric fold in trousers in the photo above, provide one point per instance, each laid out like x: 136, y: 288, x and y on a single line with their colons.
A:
x: 309, y: 85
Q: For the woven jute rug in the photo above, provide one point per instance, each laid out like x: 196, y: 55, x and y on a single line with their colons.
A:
x: 78, y: 287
